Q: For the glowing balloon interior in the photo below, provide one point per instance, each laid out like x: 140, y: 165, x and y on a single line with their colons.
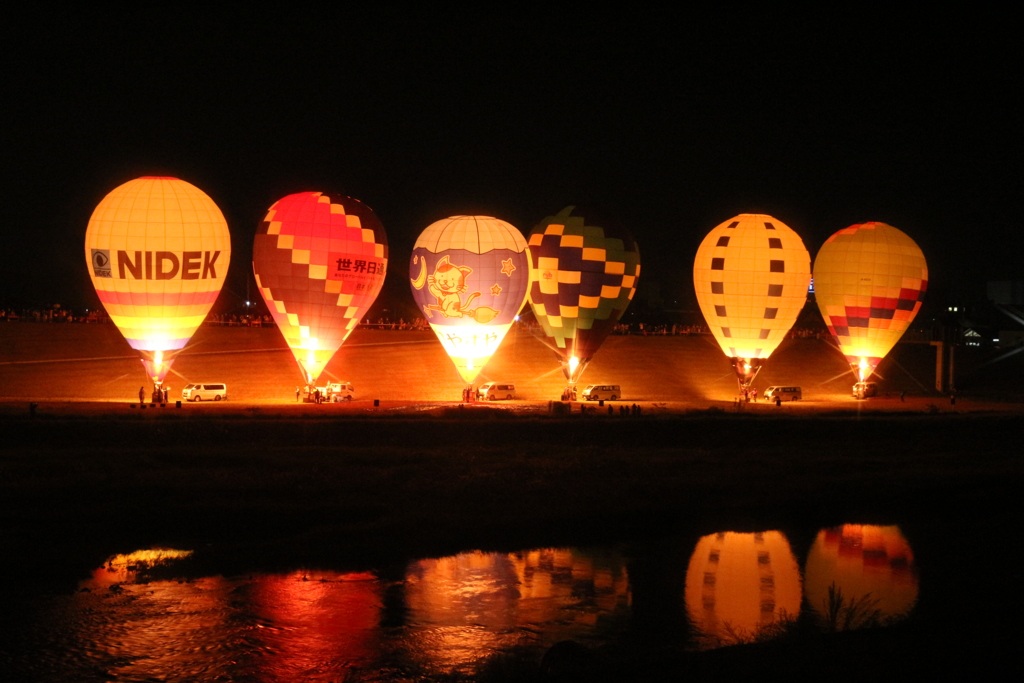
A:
x: 584, y: 277
x: 469, y: 276
x: 158, y: 251
x: 751, y: 275
x: 869, y: 281
x: 320, y: 262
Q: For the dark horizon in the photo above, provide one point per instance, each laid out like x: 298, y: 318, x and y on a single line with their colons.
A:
x: 668, y: 122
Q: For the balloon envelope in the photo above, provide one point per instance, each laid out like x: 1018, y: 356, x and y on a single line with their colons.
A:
x: 741, y: 583
x: 469, y: 276
x: 867, y: 565
x: 869, y: 281
x: 320, y: 262
x: 158, y: 251
x: 751, y: 275
x: 583, y: 279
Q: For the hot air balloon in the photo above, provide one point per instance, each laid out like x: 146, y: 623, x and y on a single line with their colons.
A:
x: 737, y: 584
x: 859, y: 575
x: 319, y: 261
x: 469, y: 276
x: 158, y: 251
x: 869, y: 280
x: 584, y: 277
x: 751, y: 275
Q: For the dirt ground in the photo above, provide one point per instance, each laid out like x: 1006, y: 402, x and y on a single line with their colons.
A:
x: 62, y: 367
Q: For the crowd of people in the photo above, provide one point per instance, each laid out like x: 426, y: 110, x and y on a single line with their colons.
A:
x: 59, y: 314
x: 53, y: 314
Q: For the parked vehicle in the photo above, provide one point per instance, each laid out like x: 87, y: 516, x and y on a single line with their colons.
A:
x: 205, y: 392
x: 784, y: 393
x: 602, y: 392
x: 865, y: 389
x: 339, y: 391
x: 496, y: 390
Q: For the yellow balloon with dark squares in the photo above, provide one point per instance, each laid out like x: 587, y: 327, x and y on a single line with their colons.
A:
x: 583, y: 278
x: 751, y: 276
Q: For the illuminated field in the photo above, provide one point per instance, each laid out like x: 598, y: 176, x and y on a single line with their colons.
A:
x: 49, y: 362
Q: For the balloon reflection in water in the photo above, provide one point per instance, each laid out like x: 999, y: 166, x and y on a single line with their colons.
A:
x: 276, y: 628
x: 471, y: 605
x: 131, y: 628
x: 738, y: 584
x: 315, y: 622
x: 870, y: 571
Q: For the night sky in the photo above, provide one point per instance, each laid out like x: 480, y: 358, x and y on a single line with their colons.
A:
x: 667, y: 122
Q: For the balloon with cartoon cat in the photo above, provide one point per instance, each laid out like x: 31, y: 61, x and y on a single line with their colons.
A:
x: 448, y: 283
x: 469, y: 276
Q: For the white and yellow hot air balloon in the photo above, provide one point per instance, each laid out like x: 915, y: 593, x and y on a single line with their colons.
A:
x: 751, y: 275
x: 158, y: 251
x: 470, y: 276
x: 869, y: 281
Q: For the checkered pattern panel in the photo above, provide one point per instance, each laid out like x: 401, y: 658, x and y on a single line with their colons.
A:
x: 583, y: 279
x: 869, y: 281
x: 319, y: 261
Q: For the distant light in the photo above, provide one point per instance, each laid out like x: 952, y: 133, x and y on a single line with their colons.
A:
x: 247, y: 303
x: 517, y: 318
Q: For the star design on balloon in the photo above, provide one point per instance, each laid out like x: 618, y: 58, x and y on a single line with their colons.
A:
x: 496, y: 290
x: 507, y: 267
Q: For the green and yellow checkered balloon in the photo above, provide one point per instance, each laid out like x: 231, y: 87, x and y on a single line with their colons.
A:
x: 583, y: 279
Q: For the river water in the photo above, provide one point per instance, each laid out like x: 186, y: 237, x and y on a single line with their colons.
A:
x: 447, y: 616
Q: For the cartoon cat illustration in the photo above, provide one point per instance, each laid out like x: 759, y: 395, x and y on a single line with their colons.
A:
x: 447, y: 284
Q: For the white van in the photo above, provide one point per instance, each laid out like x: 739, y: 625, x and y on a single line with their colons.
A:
x: 494, y: 390
x: 602, y: 392
x: 784, y: 393
x: 339, y: 391
x: 865, y: 389
x: 204, y: 392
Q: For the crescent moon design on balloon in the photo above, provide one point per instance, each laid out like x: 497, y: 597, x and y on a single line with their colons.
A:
x: 421, y: 279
